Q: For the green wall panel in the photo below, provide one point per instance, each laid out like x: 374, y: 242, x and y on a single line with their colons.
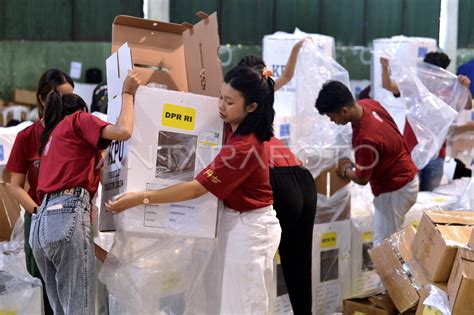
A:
x: 61, y: 20
x: 384, y: 18
x: 185, y: 10
x: 37, y: 20
x: 22, y: 63
x: 246, y: 21
x: 343, y: 19
x: 466, y: 23
x: 303, y: 14
x: 93, y: 19
x: 421, y: 18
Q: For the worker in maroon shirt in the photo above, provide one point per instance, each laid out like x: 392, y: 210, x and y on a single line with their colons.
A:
x: 23, y: 163
x: 248, y: 232
x: 294, y: 200
x: 61, y: 234
x: 381, y: 155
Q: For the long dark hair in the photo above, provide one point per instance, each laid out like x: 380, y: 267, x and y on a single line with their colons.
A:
x: 48, y: 82
x: 57, y: 107
x: 254, y: 87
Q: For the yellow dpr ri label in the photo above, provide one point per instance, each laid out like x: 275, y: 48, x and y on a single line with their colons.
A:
x: 367, y: 236
x: 178, y: 117
x: 329, y: 240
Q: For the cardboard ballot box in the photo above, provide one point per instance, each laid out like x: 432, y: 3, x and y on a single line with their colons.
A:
x: 176, y: 134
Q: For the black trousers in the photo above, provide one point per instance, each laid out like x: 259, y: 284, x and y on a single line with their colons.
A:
x: 294, y: 199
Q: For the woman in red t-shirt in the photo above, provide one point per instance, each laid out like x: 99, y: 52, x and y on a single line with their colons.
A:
x: 24, y: 161
x: 61, y: 231
x: 249, y: 232
x: 294, y: 199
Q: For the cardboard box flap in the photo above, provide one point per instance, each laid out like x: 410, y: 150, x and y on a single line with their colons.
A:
x: 451, y: 217
x: 383, y: 301
x: 140, y: 23
x: 203, y: 66
x: 466, y: 254
x: 455, y: 236
x: 328, y: 183
x: 471, y: 241
x: 181, y: 56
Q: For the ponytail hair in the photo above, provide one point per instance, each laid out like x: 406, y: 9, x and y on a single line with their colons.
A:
x: 49, y: 81
x: 254, y: 87
x: 57, y: 107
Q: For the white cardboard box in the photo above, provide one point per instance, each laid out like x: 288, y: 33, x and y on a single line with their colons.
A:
x: 364, y: 278
x: 331, y: 266
x: 167, y: 149
x: 276, y: 51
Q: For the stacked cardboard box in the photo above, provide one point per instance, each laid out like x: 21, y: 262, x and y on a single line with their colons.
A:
x: 380, y: 304
x: 178, y: 133
x: 401, y: 274
x: 24, y: 97
x: 9, y: 212
x: 441, y: 250
x: 438, y: 237
x: 331, y: 266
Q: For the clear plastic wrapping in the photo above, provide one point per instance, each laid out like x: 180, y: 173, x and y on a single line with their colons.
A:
x: 20, y: 293
x: 401, y: 274
x: 336, y: 207
x: 429, y: 116
x: 436, y: 302
x: 317, y: 141
x: 162, y: 275
x: 443, y: 84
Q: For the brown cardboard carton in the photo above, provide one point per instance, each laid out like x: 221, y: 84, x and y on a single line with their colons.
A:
x: 181, y: 56
x: 24, y: 97
x: 435, y: 242
x: 401, y: 274
x: 471, y: 241
x: 461, y: 283
x: 9, y: 212
x: 364, y: 306
x: 328, y: 183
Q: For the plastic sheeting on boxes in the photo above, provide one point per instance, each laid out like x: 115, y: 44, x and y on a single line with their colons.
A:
x: 364, y: 279
x: 410, y: 50
x: 316, y: 140
x: 443, y: 84
x: 7, y: 138
x: 276, y: 51
x: 20, y: 293
x: 401, y: 274
x: 331, y: 266
x: 163, y: 275
x: 428, y: 201
x: 332, y: 208
x: 165, y: 150
x: 435, y: 303
x: 428, y: 115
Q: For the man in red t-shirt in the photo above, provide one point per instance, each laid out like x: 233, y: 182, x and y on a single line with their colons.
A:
x: 382, y: 157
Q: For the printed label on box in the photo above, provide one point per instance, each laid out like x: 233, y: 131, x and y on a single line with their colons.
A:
x: 174, y: 216
x: 367, y: 236
x: 208, y: 139
x: 179, y: 117
x: 329, y: 240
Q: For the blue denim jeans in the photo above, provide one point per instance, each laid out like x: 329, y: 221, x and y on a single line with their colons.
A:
x: 62, y: 242
x: 430, y: 176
